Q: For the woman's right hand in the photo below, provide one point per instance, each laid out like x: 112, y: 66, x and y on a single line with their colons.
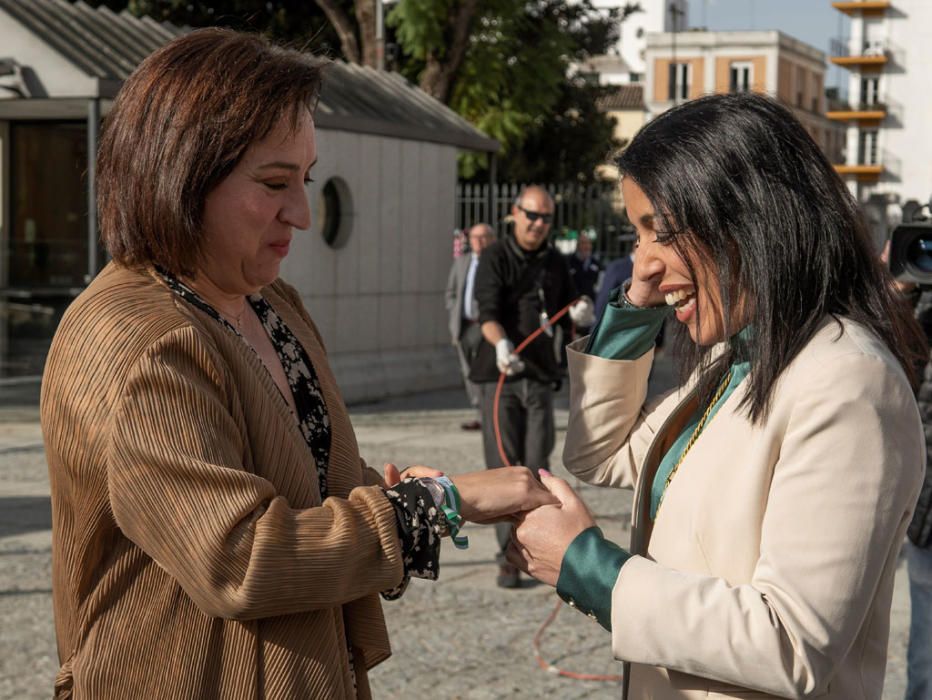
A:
x: 643, y: 290
x: 494, y: 494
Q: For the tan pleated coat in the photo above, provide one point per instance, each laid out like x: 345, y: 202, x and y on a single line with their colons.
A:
x: 192, y: 556
x: 768, y: 572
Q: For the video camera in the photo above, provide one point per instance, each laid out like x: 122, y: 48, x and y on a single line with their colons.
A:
x: 911, y: 246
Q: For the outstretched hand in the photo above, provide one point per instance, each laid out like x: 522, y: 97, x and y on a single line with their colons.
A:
x: 393, y: 476
x: 495, y: 494
x: 542, y: 537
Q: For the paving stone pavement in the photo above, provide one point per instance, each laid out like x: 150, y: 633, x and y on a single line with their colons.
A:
x: 458, y: 638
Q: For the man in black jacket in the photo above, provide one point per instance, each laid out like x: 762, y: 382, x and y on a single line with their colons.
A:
x: 521, y: 282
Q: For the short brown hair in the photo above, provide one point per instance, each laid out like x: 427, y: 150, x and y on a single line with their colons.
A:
x: 179, y: 125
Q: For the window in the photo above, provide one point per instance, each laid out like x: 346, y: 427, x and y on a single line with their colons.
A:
x: 46, y: 250
x: 817, y: 93
x: 867, y: 147
x: 48, y: 241
x: 635, y: 77
x: 678, y: 81
x: 800, y: 85
x: 870, y: 91
x: 741, y: 76
x: 335, y: 212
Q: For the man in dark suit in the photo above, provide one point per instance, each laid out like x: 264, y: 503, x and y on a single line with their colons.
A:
x: 586, y: 271
x: 465, y: 331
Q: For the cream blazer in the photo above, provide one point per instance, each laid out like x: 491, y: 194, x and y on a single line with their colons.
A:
x: 769, y: 569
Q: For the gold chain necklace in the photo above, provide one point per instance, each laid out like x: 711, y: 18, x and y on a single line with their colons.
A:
x: 235, y: 320
x: 239, y: 319
x: 695, y: 436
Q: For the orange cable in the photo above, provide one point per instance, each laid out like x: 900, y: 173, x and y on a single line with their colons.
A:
x: 501, y: 379
x: 550, y: 668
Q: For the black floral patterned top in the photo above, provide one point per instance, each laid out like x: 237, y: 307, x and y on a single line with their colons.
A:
x: 421, y: 522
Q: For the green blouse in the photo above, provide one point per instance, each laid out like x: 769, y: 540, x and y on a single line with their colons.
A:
x: 591, y: 564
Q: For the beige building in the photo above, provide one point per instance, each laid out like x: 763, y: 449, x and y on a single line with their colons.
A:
x: 625, y: 104
x: 687, y: 65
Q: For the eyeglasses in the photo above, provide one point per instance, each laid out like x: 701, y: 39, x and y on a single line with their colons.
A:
x: 535, y: 215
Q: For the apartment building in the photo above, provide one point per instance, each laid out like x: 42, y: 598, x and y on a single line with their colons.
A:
x: 685, y: 65
x: 886, y: 53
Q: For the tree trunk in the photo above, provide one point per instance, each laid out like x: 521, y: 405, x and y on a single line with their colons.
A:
x: 365, y: 18
x: 341, y: 22
x: 440, y: 72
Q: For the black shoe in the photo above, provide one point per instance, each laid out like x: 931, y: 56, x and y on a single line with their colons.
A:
x: 471, y: 425
x: 508, y: 577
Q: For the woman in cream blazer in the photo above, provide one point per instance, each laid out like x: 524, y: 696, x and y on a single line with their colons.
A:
x: 774, y: 487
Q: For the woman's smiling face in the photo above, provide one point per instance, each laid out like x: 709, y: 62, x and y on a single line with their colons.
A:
x: 698, y: 302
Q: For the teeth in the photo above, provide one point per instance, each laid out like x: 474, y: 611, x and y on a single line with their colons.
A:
x: 673, y: 298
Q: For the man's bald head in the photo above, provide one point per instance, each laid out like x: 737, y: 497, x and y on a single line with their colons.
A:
x: 533, y: 215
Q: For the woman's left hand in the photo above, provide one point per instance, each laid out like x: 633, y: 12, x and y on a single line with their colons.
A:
x: 543, y: 535
x: 392, y: 475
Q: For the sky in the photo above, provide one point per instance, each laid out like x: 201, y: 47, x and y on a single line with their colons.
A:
x: 812, y: 21
x: 815, y: 22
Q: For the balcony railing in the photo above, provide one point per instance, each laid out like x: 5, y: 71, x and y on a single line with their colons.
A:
x: 869, y: 49
x: 882, y: 164
x: 873, y: 52
x: 874, y: 110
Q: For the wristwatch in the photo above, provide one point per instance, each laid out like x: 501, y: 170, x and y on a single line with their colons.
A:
x: 435, y: 490
x: 623, y: 301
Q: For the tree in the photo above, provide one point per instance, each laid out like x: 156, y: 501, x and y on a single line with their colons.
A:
x: 504, y: 66
x: 568, y: 143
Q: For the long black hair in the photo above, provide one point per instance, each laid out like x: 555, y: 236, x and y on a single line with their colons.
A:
x: 737, y: 180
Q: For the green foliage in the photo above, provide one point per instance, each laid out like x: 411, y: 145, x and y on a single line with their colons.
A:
x: 569, y: 144
x: 514, y: 84
x: 420, y: 28
x: 513, y: 72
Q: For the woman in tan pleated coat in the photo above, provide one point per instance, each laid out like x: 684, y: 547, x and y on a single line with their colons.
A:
x: 215, y: 532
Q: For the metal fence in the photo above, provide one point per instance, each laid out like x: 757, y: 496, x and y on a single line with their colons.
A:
x: 593, y: 210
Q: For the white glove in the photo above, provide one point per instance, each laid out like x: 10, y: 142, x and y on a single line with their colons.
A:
x: 583, y: 312
x: 505, y: 358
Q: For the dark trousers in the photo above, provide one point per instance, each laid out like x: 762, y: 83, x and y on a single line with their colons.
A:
x: 467, y: 345
x: 525, y: 415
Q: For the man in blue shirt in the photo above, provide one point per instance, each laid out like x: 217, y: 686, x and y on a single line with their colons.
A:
x: 461, y: 304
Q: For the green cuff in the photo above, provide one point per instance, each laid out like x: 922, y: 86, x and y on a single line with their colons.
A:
x: 588, y: 573
x: 626, y: 332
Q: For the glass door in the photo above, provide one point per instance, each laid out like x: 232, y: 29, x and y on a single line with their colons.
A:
x: 46, y: 250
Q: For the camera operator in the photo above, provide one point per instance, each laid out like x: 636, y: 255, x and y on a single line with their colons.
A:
x: 918, y: 548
